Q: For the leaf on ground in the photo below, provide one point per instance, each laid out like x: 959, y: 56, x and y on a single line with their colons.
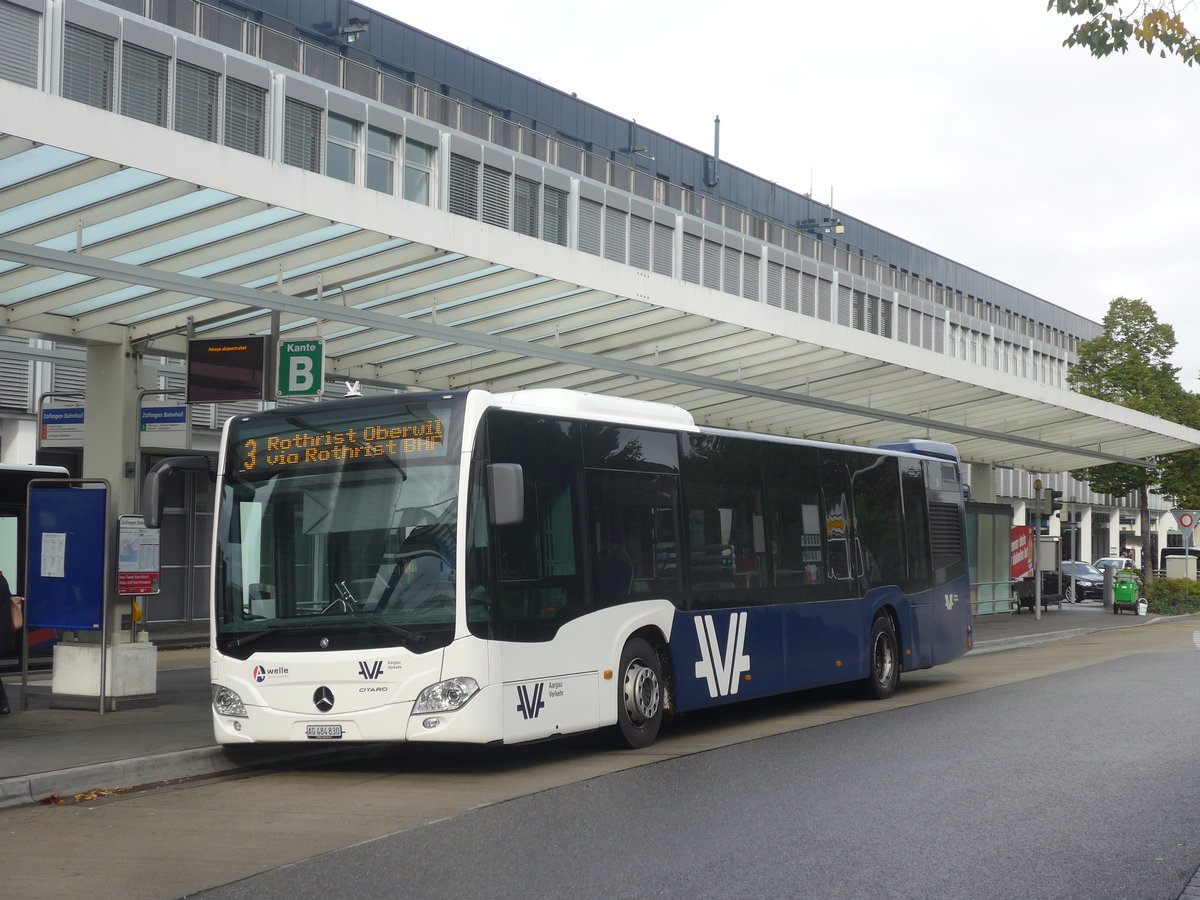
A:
x: 97, y: 793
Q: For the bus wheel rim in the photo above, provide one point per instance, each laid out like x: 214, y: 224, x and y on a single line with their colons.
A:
x: 885, y: 659
x: 641, y: 692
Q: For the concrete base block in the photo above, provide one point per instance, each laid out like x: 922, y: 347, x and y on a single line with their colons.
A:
x: 131, y: 677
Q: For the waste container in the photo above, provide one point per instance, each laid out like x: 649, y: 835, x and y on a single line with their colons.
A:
x: 1125, y: 592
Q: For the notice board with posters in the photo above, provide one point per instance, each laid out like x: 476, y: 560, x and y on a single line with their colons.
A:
x: 137, y: 557
x: 67, y: 547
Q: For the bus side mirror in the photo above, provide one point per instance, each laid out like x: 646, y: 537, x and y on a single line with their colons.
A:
x: 506, y: 493
x: 154, y: 487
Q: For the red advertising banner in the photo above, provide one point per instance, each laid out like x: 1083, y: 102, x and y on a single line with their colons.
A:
x: 1022, y: 552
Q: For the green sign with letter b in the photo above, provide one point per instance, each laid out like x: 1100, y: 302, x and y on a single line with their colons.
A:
x: 300, y: 368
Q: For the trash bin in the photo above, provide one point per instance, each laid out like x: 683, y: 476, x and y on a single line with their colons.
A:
x: 1125, y: 592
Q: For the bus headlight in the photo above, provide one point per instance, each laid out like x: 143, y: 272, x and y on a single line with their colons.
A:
x: 227, y: 702
x: 445, y: 696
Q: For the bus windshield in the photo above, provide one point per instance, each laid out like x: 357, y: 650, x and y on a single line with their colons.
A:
x: 341, y: 521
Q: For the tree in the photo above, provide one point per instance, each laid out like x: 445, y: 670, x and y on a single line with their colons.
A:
x: 1152, y: 25
x: 1129, y: 364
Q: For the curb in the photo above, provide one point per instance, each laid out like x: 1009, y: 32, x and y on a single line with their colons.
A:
x: 130, y: 774
x: 1028, y: 640
x: 24, y: 789
x: 1025, y: 640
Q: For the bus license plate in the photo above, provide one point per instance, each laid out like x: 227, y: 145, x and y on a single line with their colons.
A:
x: 323, y: 732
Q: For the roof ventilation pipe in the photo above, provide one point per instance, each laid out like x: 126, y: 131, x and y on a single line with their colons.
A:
x: 713, y: 177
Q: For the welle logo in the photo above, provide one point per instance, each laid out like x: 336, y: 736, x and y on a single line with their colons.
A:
x: 530, y: 702
x: 722, y: 666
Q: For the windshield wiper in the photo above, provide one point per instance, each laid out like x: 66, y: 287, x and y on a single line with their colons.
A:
x: 347, y: 603
x: 252, y: 637
x: 415, y: 636
x: 237, y: 643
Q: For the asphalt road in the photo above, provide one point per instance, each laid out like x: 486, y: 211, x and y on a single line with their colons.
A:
x: 1077, y: 785
x: 1060, y: 771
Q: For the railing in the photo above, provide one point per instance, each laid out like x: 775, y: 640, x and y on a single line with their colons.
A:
x: 988, y: 597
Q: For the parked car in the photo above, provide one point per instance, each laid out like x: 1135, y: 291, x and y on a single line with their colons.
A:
x: 1089, y: 581
x: 1117, y: 563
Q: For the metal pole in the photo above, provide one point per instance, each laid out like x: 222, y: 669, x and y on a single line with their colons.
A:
x: 1074, y: 551
x: 1187, y: 550
x: 1037, y: 540
x: 105, y: 602
x: 25, y: 643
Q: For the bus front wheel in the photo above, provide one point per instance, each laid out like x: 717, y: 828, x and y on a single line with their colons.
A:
x: 640, y: 694
x: 884, y: 660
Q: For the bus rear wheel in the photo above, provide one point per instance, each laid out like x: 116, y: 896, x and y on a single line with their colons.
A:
x: 884, y: 660
x: 640, y: 697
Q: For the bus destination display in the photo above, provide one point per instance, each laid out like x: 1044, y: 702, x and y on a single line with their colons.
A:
x: 420, y: 439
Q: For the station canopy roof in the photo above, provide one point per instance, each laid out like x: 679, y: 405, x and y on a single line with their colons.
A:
x: 123, y: 233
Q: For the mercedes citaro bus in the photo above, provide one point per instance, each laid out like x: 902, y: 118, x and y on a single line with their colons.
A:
x: 476, y: 567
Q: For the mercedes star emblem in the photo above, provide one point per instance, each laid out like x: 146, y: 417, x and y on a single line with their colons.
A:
x: 323, y: 699
x: 324, y: 642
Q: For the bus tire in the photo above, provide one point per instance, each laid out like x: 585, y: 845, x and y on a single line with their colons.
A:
x: 883, y: 660
x: 639, y: 694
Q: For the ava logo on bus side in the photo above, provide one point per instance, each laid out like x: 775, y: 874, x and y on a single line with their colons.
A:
x: 722, y: 667
x: 531, y: 698
x: 371, y: 670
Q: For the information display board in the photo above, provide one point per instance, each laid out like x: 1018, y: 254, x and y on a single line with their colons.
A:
x: 226, y: 369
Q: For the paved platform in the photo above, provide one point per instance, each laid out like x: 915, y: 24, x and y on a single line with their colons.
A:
x: 46, y: 751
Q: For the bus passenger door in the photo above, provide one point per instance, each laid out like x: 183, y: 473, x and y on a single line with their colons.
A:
x: 545, y: 644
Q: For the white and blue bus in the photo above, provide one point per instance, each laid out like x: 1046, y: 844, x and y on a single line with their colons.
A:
x: 476, y: 567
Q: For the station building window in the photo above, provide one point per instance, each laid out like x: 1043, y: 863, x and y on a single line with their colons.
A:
x: 144, y: 84
x: 418, y: 171
x: 196, y: 101
x: 88, y: 67
x: 302, y: 135
x: 245, y: 117
x: 341, y: 148
x: 19, y: 44
x: 381, y: 160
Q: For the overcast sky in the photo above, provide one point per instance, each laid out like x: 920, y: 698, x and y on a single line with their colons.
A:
x: 965, y: 127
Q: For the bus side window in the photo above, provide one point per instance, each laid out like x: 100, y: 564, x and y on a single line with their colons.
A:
x: 724, y: 516
x: 631, y: 535
x: 838, y: 523
x: 916, y: 524
x: 877, y: 519
x: 795, y: 515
